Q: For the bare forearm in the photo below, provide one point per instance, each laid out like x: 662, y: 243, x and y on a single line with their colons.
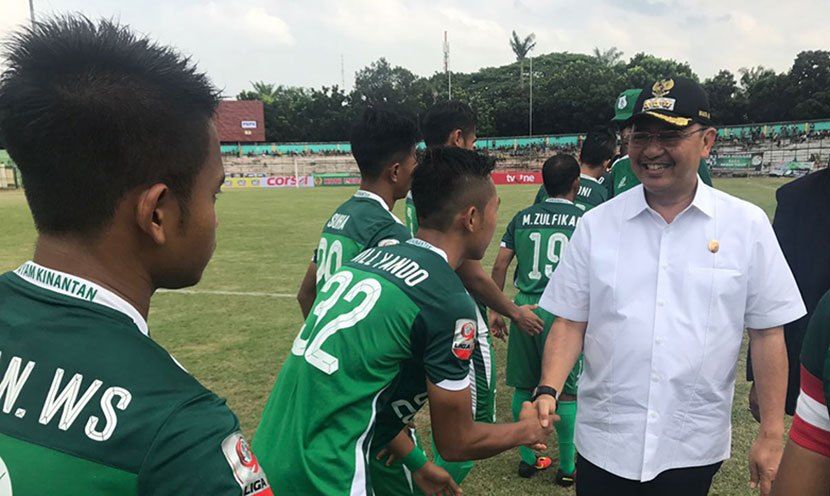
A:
x: 401, y: 445
x: 483, y: 440
x: 308, y: 290
x: 499, y: 274
x: 769, y: 366
x: 485, y: 289
x: 562, y: 349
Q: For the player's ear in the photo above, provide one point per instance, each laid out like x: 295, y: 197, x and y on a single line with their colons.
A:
x: 469, y: 218
x: 457, y: 138
x: 393, y: 171
x: 156, y: 210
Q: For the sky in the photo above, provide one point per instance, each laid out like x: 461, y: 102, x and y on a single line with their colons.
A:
x: 300, y: 42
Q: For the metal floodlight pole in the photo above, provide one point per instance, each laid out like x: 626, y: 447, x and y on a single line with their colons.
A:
x: 447, y: 66
x: 530, y: 105
x: 32, y: 11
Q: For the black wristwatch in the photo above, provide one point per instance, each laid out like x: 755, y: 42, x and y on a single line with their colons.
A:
x: 540, y: 390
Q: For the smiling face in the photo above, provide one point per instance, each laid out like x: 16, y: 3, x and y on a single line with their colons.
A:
x: 669, y: 167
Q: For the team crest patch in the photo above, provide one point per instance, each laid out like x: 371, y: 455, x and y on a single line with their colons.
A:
x: 464, y: 339
x: 388, y: 242
x: 622, y: 102
x: 245, y: 467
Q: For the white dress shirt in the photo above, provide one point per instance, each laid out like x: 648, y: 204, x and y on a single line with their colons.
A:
x: 666, y: 306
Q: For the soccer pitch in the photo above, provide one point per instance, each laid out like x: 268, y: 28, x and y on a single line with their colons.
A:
x: 235, y: 328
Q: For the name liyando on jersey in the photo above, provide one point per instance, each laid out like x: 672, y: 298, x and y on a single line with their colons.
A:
x: 406, y: 269
x: 548, y: 219
x: 63, y: 398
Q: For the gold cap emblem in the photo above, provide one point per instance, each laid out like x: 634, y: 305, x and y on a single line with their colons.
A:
x: 661, y: 88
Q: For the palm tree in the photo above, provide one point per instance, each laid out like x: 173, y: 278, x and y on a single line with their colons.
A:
x: 265, y: 92
x: 608, y: 58
x: 521, y: 47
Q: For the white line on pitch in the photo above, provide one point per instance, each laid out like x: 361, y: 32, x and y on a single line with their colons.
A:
x: 226, y: 293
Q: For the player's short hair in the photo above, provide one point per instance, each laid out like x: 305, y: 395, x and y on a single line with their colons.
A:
x: 89, y: 111
x: 381, y: 137
x: 443, y: 118
x: 447, y: 180
x: 600, y: 145
x: 559, y: 173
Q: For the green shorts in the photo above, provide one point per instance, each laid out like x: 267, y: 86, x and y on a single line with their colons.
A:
x: 524, y: 353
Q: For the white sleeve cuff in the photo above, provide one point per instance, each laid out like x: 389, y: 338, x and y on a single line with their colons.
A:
x: 455, y: 385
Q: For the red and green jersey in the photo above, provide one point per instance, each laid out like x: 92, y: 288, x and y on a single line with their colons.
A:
x: 386, y: 306
x: 92, y: 406
x: 363, y: 221
x: 592, y: 192
x: 538, y: 235
x: 811, y: 424
x: 623, y: 178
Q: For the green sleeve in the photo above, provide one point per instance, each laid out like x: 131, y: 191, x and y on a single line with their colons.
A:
x: 446, y: 334
x: 541, y: 195
x: 508, y: 240
x: 199, y: 450
x: 703, y: 172
x: 391, y: 232
x: 817, y: 339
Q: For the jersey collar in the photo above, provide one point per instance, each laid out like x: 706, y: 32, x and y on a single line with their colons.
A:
x: 362, y: 193
x: 589, y: 178
x: 423, y: 244
x: 559, y: 200
x: 79, y: 288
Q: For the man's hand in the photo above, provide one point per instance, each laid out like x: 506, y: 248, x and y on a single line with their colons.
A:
x: 537, y: 433
x: 530, y: 323
x: 498, y: 328
x: 764, y: 457
x: 754, y: 407
x: 386, y: 453
x: 545, y: 409
x: 434, y: 480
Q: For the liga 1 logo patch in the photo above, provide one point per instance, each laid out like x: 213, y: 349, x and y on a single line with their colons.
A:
x: 464, y: 339
x: 245, y: 467
x: 388, y: 242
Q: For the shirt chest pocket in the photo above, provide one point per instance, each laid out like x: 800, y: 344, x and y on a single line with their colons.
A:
x: 715, y: 295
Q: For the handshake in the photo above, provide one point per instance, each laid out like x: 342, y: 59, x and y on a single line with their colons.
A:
x: 536, y: 420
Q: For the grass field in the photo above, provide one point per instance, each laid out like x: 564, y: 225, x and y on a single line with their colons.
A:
x: 235, y: 343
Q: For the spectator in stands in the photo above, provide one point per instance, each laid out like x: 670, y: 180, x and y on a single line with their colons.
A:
x: 802, y: 225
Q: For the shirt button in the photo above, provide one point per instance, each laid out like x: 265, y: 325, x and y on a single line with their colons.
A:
x: 661, y: 302
x: 652, y: 415
x: 664, y: 265
x: 655, y: 378
x: 658, y: 340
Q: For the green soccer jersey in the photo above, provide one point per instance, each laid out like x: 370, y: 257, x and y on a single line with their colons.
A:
x: 384, y: 307
x: 591, y: 193
x: 815, y: 354
x: 363, y: 221
x: 538, y: 236
x: 623, y: 178
x: 411, y: 216
x: 93, y: 406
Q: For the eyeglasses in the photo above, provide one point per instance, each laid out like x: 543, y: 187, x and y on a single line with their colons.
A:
x: 666, y: 139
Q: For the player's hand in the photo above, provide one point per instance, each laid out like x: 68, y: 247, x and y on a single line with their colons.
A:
x: 434, y: 480
x: 754, y: 407
x: 764, y: 458
x: 530, y: 323
x: 545, y: 410
x: 537, y: 434
x: 498, y: 328
x: 388, y: 455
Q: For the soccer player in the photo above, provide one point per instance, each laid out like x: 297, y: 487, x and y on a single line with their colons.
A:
x: 805, y: 466
x: 622, y: 177
x: 383, y: 144
x: 114, y: 138
x: 388, y: 305
x: 599, y: 147
x: 537, y: 236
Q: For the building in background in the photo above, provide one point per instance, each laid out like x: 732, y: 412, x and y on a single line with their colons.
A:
x: 240, y: 121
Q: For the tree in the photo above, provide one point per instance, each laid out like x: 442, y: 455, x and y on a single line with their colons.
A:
x: 608, y: 58
x: 398, y: 87
x: 521, y: 47
x: 764, y: 90
x: 726, y: 99
x: 264, y: 92
x: 644, y: 69
x: 808, y: 85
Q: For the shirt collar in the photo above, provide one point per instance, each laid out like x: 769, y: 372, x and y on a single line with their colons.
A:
x: 79, y: 288
x: 423, y: 244
x: 589, y: 178
x: 703, y: 201
x: 559, y: 200
x: 362, y: 193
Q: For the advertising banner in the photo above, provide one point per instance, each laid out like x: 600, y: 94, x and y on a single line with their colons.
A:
x: 534, y: 177
x: 336, y: 179
x: 269, y: 182
x: 752, y: 161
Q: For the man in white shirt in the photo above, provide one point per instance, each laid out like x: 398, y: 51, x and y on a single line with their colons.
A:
x: 656, y: 288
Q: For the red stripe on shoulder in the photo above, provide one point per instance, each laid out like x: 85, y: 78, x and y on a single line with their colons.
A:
x: 812, y: 385
x: 810, y: 437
